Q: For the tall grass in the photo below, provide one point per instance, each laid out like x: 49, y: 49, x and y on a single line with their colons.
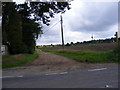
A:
x: 88, y: 55
x: 12, y: 60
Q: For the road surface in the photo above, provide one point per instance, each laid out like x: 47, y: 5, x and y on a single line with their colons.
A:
x: 104, y: 77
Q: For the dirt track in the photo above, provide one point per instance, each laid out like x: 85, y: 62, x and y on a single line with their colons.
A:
x: 49, y: 63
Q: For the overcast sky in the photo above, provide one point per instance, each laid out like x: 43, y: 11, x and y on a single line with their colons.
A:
x: 83, y: 20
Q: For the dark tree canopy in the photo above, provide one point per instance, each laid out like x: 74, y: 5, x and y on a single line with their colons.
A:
x: 21, y: 24
x: 11, y: 27
x: 42, y: 11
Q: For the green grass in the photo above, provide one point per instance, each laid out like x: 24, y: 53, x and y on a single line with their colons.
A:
x: 17, y: 60
x: 88, y: 55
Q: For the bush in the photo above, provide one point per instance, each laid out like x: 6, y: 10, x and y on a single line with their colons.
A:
x: 16, y: 48
x: 117, y: 51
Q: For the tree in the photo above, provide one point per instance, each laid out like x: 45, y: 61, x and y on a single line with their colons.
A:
x: 20, y: 30
x: 42, y: 11
x: 12, y: 28
x: 117, y: 49
x: 71, y: 43
x: 30, y: 34
x: 67, y: 44
x: 30, y: 28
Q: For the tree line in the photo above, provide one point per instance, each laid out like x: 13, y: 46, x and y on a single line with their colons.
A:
x: 22, y: 23
x: 107, y: 40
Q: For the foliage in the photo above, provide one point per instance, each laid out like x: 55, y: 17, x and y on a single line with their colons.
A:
x: 12, y: 30
x: 20, y: 30
x: 67, y: 44
x: 44, y: 10
x: 117, y: 50
x: 99, y: 41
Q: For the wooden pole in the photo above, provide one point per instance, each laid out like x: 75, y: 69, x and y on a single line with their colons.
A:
x: 62, y: 32
x: 116, y: 37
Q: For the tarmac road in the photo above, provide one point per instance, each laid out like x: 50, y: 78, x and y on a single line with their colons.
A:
x: 106, y: 77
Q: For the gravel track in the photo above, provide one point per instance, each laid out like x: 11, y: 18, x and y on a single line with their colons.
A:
x: 50, y: 63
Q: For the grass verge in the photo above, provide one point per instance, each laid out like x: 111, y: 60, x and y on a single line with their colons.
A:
x: 17, y: 60
x: 88, y: 55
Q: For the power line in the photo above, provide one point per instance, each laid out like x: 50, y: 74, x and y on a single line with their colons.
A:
x: 51, y: 27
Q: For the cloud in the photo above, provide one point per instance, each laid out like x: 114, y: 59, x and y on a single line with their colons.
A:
x: 93, y: 17
x: 83, y: 20
x: 19, y: 1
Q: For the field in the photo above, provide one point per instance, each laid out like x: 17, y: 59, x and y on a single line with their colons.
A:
x: 87, y: 53
x: 81, y: 53
x: 96, y: 47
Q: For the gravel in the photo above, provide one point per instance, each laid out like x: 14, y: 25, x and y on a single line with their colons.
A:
x: 51, y: 63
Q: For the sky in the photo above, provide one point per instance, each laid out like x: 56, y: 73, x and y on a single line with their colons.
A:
x: 83, y: 20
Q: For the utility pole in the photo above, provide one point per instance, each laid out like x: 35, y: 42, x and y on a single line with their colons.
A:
x: 92, y: 38
x: 116, y: 34
x: 62, y: 31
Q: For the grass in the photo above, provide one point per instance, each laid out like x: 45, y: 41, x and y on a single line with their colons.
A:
x: 88, y: 55
x: 17, y: 60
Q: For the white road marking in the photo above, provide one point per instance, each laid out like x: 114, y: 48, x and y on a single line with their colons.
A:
x: 10, y: 76
x: 97, y: 69
x: 57, y: 73
x: 51, y: 73
x: 64, y: 73
x: 106, y: 86
x: 19, y: 76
